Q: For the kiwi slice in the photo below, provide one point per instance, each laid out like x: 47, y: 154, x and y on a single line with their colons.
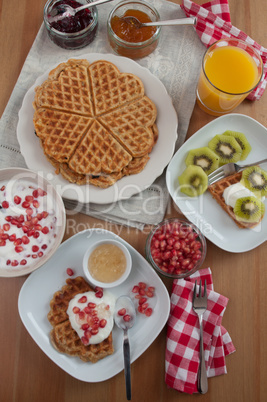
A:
x: 242, y: 141
x: 255, y: 179
x: 249, y: 209
x: 203, y: 157
x: 226, y: 147
x: 193, y: 181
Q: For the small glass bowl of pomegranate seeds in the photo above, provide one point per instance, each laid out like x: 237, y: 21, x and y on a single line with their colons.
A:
x: 72, y: 32
x: 176, y: 248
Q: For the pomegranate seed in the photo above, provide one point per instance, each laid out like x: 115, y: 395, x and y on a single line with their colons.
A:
x: 81, y: 315
x: 142, y: 292
x: 19, y: 249
x: 3, y: 188
x: 122, y: 311
x: 29, y: 198
x: 44, y: 247
x: 18, y: 242
x: 17, y: 199
x: 36, y: 204
x: 142, y: 300
x: 82, y: 299
x: 29, y: 212
x: 12, y: 237
x: 103, y: 323
x: 76, y: 310
x: 8, y: 262
x: 85, y: 340
x: 25, y: 240
x: 36, y: 235
x: 135, y: 289
x: 45, y: 230
x: 69, y: 271
x: 142, y: 285
x: 34, y: 256
x: 91, y: 305
x: 5, y: 204
x: 14, y: 263
x: 35, y: 248
x: 4, y: 236
x: 25, y: 204
x: 23, y: 262
x: 8, y: 218
x: 99, y: 294
x: 87, y: 334
x: 127, y: 317
x: 6, y: 227
x: 94, y: 331
x: 148, y: 311
x: 45, y: 214
x: 2, y: 243
x: 85, y: 326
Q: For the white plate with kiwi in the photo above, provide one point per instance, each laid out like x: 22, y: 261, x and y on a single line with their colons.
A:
x: 204, y: 211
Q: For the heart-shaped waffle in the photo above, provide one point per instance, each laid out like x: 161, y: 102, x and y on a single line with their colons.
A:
x: 67, y: 88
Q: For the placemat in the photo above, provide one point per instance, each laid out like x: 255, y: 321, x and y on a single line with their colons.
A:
x: 176, y: 62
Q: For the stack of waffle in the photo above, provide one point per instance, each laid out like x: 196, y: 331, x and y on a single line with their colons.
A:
x: 217, y: 190
x: 63, y: 337
x: 95, y: 123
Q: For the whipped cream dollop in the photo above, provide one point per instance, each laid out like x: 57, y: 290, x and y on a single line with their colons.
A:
x: 232, y: 193
x: 91, y: 316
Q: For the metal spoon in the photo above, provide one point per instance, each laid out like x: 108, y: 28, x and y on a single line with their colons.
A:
x: 64, y: 10
x: 181, y: 21
x: 125, y: 302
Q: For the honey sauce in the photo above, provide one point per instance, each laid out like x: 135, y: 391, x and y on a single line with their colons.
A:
x: 107, y: 263
x: 128, y: 31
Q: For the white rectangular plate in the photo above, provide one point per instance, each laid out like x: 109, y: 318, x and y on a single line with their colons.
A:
x: 38, y: 290
x: 204, y: 211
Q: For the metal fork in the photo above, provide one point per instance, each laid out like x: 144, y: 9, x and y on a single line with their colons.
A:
x: 200, y: 306
x: 228, y: 169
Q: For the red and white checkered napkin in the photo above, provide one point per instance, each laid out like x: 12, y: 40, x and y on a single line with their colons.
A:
x: 182, y: 348
x: 214, y: 23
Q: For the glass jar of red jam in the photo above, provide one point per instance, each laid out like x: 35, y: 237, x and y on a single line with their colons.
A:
x: 72, y: 32
x: 128, y: 40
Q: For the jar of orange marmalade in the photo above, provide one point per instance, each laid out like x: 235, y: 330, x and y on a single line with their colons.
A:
x: 124, y: 37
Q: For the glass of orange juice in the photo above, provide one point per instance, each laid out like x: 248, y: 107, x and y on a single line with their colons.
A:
x: 231, y: 69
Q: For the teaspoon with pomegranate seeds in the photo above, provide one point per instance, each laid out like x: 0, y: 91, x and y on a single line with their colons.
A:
x: 124, y: 317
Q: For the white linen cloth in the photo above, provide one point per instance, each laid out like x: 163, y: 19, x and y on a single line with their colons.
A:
x: 176, y: 62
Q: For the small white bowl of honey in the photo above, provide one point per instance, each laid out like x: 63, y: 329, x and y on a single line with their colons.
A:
x: 107, y: 263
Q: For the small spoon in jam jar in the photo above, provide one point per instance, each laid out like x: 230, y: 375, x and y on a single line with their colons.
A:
x: 137, y: 24
x: 124, y: 317
x: 64, y: 10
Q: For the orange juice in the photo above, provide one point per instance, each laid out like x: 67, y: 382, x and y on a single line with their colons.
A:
x: 230, y: 74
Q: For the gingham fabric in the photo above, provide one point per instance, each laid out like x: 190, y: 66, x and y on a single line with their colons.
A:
x: 182, y: 347
x: 214, y: 23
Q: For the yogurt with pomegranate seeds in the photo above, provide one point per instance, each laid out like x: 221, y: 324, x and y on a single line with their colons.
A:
x: 28, y: 223
x: 91, y: 316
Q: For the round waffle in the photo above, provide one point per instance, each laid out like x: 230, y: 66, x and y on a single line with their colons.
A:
x: 95, y: 124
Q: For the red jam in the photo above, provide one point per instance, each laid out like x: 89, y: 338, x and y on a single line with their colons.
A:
x: 128, y: 31
x: 73, y: 24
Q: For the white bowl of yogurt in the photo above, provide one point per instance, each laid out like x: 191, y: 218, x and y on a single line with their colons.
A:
x: 107, y: 263
x: 32, y: 221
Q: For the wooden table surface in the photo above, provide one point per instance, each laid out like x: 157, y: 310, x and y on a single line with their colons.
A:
x: 26, y: 373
